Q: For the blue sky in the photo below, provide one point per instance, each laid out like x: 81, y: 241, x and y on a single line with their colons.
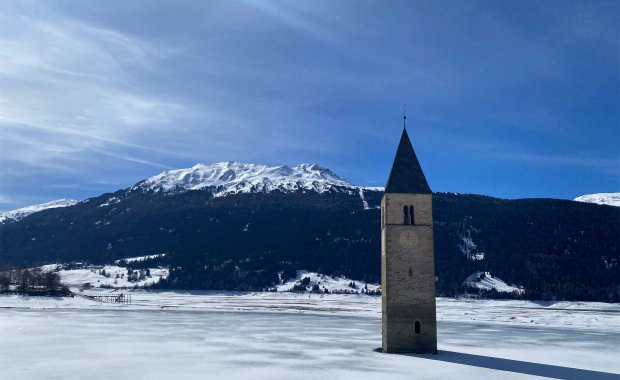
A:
x: 510, y: 99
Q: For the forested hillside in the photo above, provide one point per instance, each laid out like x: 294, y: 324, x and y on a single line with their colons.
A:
x: 553, y: 248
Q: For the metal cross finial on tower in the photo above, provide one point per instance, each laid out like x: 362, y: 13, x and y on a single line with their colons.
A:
x: 405, y: 116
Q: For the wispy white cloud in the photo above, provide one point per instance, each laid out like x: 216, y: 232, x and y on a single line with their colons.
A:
x: 69, y: 87
x: 126, y: 157
x: 8, y: 200
x: 106, y: 94
x: 294, y: 16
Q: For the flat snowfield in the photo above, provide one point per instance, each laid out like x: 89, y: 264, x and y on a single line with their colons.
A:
x: 170, y: 335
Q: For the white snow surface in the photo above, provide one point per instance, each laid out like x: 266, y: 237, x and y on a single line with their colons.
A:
x: 23, y: 212
x: 110, y: 201
x: 225, y: 178
x: 326, y: 282
x: 469, y: 248
x: 140, y: 258
x: 198, y: 335
x: 75, y: 278
x: 575, y: 315
x: 610, y: 199
x: 489, y: 282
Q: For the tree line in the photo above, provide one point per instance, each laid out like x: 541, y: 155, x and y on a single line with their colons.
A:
x: 32, y: 282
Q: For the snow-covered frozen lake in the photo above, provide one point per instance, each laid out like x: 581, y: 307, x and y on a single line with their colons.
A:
x: 171, y: 335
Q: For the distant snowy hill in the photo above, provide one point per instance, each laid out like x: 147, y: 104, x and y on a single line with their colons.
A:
x: 485, y: 281
x: 112, y: 276
x: 305, y: 280
x: 225, y: 178
x: 23, y: 212
x: 610, y: 199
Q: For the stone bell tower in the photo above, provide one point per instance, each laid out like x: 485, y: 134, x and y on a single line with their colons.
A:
x: 407, y: 257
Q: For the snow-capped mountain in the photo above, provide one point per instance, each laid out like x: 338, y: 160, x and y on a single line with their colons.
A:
x: 225, y: 178
x: 23, y: 212
x: 610, y: 199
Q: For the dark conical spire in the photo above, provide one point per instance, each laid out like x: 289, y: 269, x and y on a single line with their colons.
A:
x: 406, y: 175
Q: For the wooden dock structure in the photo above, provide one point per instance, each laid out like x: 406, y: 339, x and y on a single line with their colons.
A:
x: 111, y: 298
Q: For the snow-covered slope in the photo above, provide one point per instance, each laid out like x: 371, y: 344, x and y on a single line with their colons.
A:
x: 610, y: 199
x: 225, y: 178
x: 108, y: 276
x: 485, y: 281
x: 137, y: 259
x: 327, y: 283
x: 23, y: 212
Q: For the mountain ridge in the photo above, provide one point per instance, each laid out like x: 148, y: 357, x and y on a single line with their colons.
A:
x: 224, y: 178
x: 608, y: 199
x: 230, y: 177
x: 20, y: 213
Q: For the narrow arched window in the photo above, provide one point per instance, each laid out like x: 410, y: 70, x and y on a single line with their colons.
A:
x: 382, y: 216
x: 411, y: 215
x: 417, y: 327
x: 406, y: 211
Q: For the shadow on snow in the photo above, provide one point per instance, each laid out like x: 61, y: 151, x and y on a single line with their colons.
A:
x: 517, y: 366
